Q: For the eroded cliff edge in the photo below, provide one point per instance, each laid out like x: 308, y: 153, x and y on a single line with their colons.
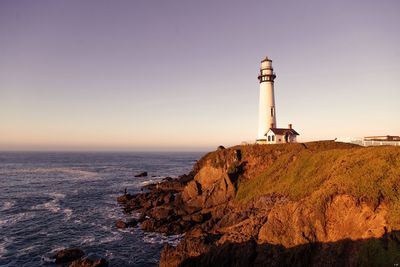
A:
x: 320, y: 203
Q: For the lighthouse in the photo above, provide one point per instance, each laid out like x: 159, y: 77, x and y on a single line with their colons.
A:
x: 266, y: 112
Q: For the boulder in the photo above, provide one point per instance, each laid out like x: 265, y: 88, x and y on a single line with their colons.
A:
x: 68, y: 254
x: 147, y: 205
x: 191, y: 191
x: 210, y: 187
x: 132, y: 223
x: 121, y: 224
x: 124, y: 198
x: 169, y: 197
x: 197, y: 217
x: 89, y: 263
x: 142, y: 174
x: 148, y: 225
x: 161, y: 213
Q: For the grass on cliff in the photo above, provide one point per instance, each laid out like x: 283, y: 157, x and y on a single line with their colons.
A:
x: 370, y: 174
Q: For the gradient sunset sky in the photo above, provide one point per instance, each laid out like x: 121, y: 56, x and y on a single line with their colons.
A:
x: 182, y: 75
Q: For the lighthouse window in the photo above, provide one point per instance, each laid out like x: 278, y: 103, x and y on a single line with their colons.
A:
x: 272, y: 112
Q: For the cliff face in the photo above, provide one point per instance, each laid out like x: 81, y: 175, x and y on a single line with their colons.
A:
x: 321, y: 203
x: 297, y: 223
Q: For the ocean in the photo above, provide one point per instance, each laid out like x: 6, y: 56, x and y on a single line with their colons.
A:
x: 55, y: 200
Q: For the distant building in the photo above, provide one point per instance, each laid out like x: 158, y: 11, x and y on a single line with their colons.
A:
x: 268, y: 133
x: 380, y: 140
x: 281, y: 135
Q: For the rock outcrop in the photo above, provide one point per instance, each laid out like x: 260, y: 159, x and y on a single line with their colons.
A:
x: 313, y: 204
x: 68, y: 255
x: 142, y: 174
x: 75, y: 257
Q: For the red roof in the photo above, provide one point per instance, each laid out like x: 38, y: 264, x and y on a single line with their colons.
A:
x: 283, y: 131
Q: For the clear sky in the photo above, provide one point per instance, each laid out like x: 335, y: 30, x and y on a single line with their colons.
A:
x: 182, y: 75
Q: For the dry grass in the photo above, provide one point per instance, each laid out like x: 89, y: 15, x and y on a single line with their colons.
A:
x: 323, y: 170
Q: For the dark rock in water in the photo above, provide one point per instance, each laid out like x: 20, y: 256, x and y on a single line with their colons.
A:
x: 74, y: 257
x: 124, y: 198
x: 121, y: 224
x: 148, y: 224
x: 68, y: 254
x: 89, y: 263
x: 142, y: 174
x: 132, y: 223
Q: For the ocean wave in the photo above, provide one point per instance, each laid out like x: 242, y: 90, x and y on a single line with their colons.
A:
x: 7, y: 205
x: 147, y: 182
x: 91, y: 240
x: 26, y: 250
x: 14, y: 218
x: 77, y: 173
x: 3, y: 244
x: 52, y: 205
x: 87, y: 240
x: 3, y: 250
x: 115, y: 237
x: 48, y: 257
x: 57, y: 195
x: 156, y: 238
x: 68, y: 213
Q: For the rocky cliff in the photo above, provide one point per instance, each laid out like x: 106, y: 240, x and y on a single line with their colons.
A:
x: 320, y: 203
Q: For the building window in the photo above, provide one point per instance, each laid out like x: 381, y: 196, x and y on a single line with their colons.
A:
x: 273, y: 138
x: 269, y: 138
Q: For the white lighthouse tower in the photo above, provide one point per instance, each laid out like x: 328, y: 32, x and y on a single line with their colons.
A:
x: 267, y: 112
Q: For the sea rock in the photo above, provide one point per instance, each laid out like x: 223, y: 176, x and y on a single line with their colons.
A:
x: 161, y: 213
x: 132, y: 223
x: 142, y: 174
x: 124, y: 198
x: 68, y: 254
x: 148, y: 224
x: 89, y: 263
x: 121, y: 224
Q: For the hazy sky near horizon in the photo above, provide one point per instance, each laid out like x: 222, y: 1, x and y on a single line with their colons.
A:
x: 182, y: 75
